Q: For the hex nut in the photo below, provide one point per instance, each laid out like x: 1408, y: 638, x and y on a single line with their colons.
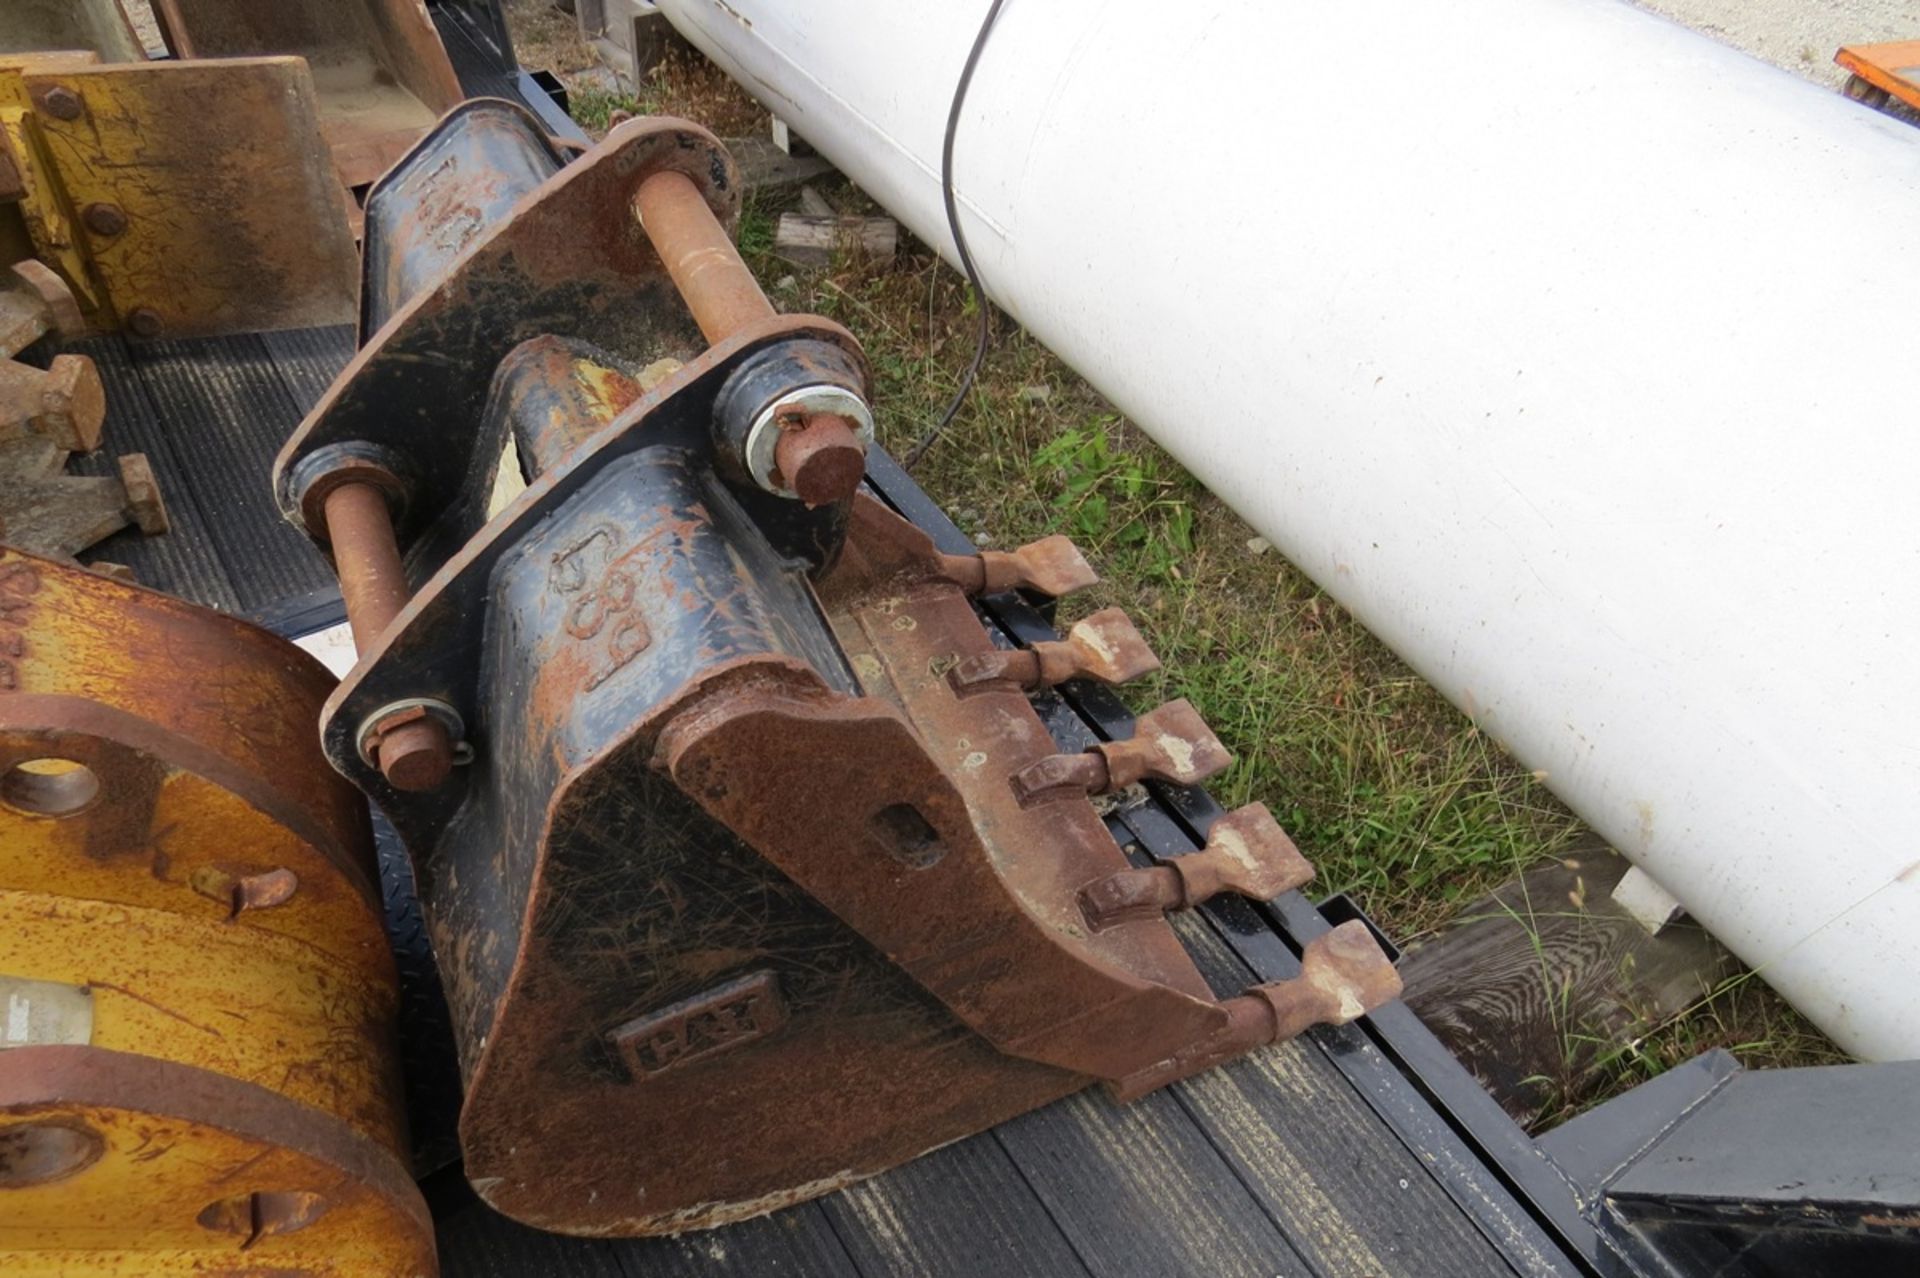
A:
x: 61, y: 103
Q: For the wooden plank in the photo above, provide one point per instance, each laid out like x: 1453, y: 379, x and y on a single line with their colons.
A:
x: 765, y: 167
x: 807, y: 240
x: 814, y: 204
x: 955, y: 1213
x: 1528, y: 984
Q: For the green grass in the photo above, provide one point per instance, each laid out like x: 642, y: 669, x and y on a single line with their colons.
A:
x: 1740, y: 1015
x: 755, y: 233
x: 590, y: 106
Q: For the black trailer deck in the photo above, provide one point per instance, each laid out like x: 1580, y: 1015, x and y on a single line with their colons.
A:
x: 1363, y: 1150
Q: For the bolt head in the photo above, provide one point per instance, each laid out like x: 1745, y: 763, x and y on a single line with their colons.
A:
x: 144, y: 321
x: 61, y: 103
x: 104, y: 219
x: 46, y: 285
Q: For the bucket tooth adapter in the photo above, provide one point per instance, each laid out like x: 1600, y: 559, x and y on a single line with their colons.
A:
x: 738, y: 895
x: 196, y: 1066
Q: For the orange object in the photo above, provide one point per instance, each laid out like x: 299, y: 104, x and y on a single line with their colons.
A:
x: 1882, y: 71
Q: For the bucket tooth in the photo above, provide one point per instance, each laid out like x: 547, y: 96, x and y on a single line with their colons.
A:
x: 64, y: 401
x: 1247, y: 853
x: 1172, y: 744
x: 145, y: 507
x: 34, y: 301
x: 1104, y: 647
x: 1344, y: 974
x: 1052, y: 566
x: 45, y: 510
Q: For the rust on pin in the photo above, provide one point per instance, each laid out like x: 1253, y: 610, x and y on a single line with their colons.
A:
x: 699, y: 256
x: 411, y: 747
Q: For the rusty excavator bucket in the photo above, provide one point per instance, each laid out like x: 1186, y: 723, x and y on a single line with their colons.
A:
x: 379, y: 71
x: 197, y: 1073
x: 749, y: 866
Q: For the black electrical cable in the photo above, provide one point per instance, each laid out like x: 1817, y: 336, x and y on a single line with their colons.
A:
x: 932, y: 433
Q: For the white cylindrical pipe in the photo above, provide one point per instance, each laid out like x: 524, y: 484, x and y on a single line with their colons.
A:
x: 1563, y: 346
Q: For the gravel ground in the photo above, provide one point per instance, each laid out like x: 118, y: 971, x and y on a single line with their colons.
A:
x: 1798, y: 35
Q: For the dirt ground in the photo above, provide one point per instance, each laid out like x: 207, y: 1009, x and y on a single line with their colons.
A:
x: 1797, y: 35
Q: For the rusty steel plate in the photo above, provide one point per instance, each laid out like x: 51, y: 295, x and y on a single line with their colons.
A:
x: 41, y: 225
x: 97, y: 26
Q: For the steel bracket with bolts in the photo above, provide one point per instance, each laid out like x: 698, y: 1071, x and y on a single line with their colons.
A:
x: 176, y: 198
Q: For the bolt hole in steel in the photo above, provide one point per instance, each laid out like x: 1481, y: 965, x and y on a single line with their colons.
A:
x: 49, y: 787
x: 262, y: 1214
x: 907, y: 835
x: 39, y: 1153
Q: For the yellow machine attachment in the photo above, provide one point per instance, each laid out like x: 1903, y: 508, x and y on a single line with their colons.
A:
x: 196, y: 996
x: 207, y: 193
x: 175, y: 198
